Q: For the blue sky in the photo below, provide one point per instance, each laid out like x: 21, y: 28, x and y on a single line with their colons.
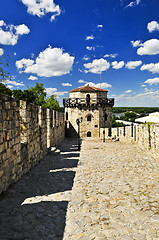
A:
x: 67, y: 44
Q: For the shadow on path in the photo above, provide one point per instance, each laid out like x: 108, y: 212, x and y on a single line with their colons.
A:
x: 45, y: 218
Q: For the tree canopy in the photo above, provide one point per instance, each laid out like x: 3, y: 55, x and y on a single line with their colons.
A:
x: 36, y: 95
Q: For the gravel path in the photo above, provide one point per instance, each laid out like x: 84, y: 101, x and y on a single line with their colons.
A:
x: 115, y: 194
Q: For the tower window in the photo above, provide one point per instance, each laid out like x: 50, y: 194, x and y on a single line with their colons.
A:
x: 89, y: 118
x: 88, y: 99
x: 88, y: 134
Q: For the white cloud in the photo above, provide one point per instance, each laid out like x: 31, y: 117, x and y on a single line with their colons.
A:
x: 81, y: 81
x: 133, y: 64
x: 152, y: 81
x: 90, y: 37
x: 14, y: 83
x: 128, y: 91
x: 117, y: 65
x: 86, y: 58
x: 51, y: 62
x: 152, y: 67
x: 99, y: 26
x: 134, y: 3
x: 111, y: 55
x: 15, y: 53
x: 145, y: 99
x: 97, y: 66
x: 2, y: 23
x: 42, y: 7
x: 1, y: 51
x: 9, y: 35
x: 66, y: 84
x: 90, y: 48
x: 61, y: 93
x: 153, y: 26
x: 99, y: 85
x: 150, y: 47
x: 9, y: 86
x: 136, y: 43
x: 32, y: 78
x: 50, y: 91
x: 24, y: 63
x: 22, y: 29
x: 143, y: 85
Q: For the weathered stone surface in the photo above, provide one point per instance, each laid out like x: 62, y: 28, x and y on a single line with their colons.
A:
x: 35, y: 206
x: 115, y: 193
x: 25, y: 137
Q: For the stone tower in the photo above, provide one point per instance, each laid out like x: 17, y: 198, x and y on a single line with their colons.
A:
x: 86, y: 111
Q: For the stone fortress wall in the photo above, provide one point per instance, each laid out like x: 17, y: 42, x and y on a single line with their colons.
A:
x: 26, y: 133
x: 145, y: 135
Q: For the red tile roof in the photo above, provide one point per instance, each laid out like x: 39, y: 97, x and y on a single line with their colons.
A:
x: 88, y: 88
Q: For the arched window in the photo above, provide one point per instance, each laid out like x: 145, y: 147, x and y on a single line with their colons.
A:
x: 88, y: 99
x: 66, y: 116
x: 88, y: 134
x: 89, y: 118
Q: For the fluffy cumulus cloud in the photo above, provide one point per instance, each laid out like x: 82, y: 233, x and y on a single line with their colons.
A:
x: 152, y: 81
x: 133, y: 64
x: 90, y: 37
x: 41, y: 7
x: 9, y: 34
x: 150, y: 47
x: 51, y: 62
x: 24, y: 63
x: 32, y: 78
x: 151, y: 67
x: 14, y: 83
x: 136, y: 43
x: 153, y: 26
x: 66, y: 84
x: 97, y: 66
x: 117, y: 65
x: 1, y: 51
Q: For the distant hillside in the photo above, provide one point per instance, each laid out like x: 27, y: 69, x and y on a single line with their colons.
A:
x: 139, y: 110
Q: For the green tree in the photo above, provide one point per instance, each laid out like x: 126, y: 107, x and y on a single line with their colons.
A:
x: 39, y: 92
x: 4, y: 64
x: 24, y: 95
x: 52, y: 103
x: 5, y: 90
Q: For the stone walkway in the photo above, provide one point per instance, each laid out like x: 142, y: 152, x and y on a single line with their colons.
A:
x: 115, y: 196
x: 35, y: 208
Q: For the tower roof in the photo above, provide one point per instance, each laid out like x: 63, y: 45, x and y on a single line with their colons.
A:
x: 88, y: 88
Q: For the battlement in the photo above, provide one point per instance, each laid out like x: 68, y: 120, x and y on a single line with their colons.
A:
x: 81, y: 102
x: 26, y: 133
